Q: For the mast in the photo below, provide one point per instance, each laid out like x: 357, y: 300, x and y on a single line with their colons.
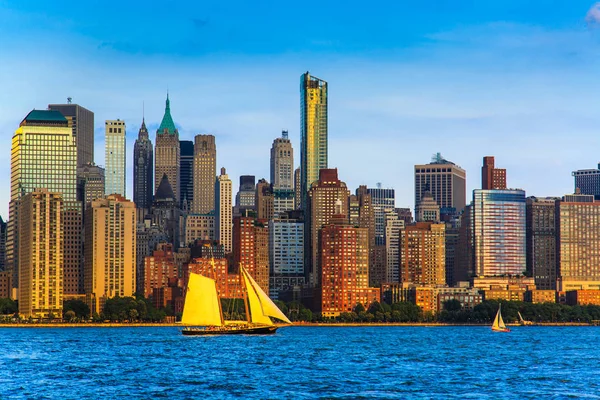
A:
x: 245, y: 292
x: 212, y: 263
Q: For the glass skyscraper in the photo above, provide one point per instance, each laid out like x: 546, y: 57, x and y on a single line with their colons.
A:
x: 114, y: 157
x: 313, y: 130
x: 384, y: 202
x: 498, y: 224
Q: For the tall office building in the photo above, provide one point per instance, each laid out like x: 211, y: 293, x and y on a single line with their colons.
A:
x: 3, y: 227
x: 282, y: 174
x: 541, y: 241
x: 186, y: 174
x: 324, y: 194
x: 223, y: 211
x: 44, y: 155
x: 41, y: 253
x: 205, y: 171
x: 492, y: 177
x: 393, y: 226
x: 464, y: 268
x: 251, y: 248
x: 423, y: 254
x: 110, y: 251
x: 143, y: 168
x: 165, y: 211
x: 498, y: 218
x: 578, y: 247
x: 313, y: 131
x: 297, y: 189
x: 81, y: 121
x: 167, y: 152
x: 445, y: 180
x: 286, y: 254
x: 90, y: 183
x: 246, y: 196
x: 427, y: 210
x: 264, y: 200
x: 114, y: 157
x: 587, y: 181
x: 384, y: 202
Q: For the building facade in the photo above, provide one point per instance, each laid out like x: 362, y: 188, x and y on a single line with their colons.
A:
x: 186, y: 174
x: 90, y: 183
x: 81, y: 121
x: 492, y: 177
x: 167, y: 152
x: 384, y: 202
x: 143, y: 169
x: 205, y: 172
x: 499, y: 237
x: 199, y: 227
x: 313, y: 131
x: 224, y: 211
x: 445, y: 180
x: 541, y: 241
x: 587, y: 181
x: 251, y: 248
x: 427, y: 210
x: 286, y: 255
x: 114, y: 157
x: 246, y: 196
x: 423, y: 254
x: 393, y: 227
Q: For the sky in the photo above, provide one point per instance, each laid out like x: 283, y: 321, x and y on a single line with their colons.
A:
x: 516, y: 79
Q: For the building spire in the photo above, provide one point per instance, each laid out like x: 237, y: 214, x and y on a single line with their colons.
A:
x: 167, y: 123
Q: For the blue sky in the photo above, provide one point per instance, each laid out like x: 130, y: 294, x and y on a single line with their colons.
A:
x: 515, y: 79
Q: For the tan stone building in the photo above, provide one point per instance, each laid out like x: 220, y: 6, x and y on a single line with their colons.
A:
x: 41, y: 252
x: 167, y: 152
x: 110, y: 251
x: 205, y: 171
x: 224, y: 211
x: 423, y: 254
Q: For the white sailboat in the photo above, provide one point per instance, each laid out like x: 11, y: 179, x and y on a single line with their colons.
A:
x: 203, y: 315
x: 498, y: 325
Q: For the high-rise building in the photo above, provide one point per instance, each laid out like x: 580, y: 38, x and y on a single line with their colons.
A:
x: 492, y: 177
x: 148, y: 236
x: 286, y: 255
x: 384, y: 202
x: 393, y: 226
x: 498, y: 218
x: 44, y: 155
x: 167, y: 152
x: 427, y: 210
x: 578, y: 247
x: 159, y: 268
x: 199, y: 227
x: 541, y: 241
x: 587, y: 181
x: 165, y: 211
x: 110, y: 251
x: 282, y: 162
x: 464, y: 268
x: 313, y: 131
x: 205, y: 172
x: 143, y: 168
x: 251, y: 248
x: 186, y: 174
x: 324, y: 194
x: 451, y: 243
x: 246, y: 195
x: 90, y: 183
x: 41, y: 254
x: 3, y: 228
x: 264, y: 200
x: 423, y: 254
x: 445, y: 180
x: 114, y: 157
x: 344, y: 254
x: 223, y: 211
x: 297, y: 188
x: 81, y: 121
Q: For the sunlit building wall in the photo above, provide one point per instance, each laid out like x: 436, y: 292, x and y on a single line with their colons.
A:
x: 114, y: 157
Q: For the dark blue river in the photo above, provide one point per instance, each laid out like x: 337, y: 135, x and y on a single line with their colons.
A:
x: 301, y: 363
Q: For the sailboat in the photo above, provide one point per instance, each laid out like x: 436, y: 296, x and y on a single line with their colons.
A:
x: 523, y: 321
x: 498, y: 325
x: 203, y: 315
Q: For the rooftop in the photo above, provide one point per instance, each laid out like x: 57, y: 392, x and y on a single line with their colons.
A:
x: 44, y: 116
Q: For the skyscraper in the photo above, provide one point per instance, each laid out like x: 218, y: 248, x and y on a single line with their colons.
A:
x: 167, y: 152
x: 393, y: 226
x: 324, y: 194
x: 423, y: 254
x: 143, y: 168
x: 498, y: 218
x: 297, y: 189
x: 251, y: 248
x: 384, y: 202
x: 587, y: 181
x: 41, y: 254
x: 541, y: 241
x: 186, y: 173
x: 44, y: 155
x: 223, y: 211
x: 313, y: 131
x: 286, y: 254
x: 81, y: 121
x: 90, y: 183
x: 282, y: 174
x: 114, y: 157
x: 264, y: 200
x: 492, y: 177
x: 110, y: 251
x: 445, y: 180
x: 205, y: 171
x: 246, y: 196
x: 427, y: 210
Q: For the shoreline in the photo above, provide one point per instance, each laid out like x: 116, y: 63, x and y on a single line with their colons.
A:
x: 301, y: 324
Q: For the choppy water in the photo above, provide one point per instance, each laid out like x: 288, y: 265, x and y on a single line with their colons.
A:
x: 302, y: 362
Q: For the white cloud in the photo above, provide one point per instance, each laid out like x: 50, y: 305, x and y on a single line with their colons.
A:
x: 593, y: 15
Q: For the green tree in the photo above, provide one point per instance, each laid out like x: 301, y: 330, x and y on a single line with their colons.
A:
x: 69, y: 316
x: 452, y: 305
x: 8, y: 306
x: 80, y: 308
x: 359, y: 308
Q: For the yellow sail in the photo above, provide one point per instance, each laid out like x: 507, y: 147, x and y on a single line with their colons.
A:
x: 256, y: 311
x: 268, y: 307
x: 201, y: 302
x: 501, y: 321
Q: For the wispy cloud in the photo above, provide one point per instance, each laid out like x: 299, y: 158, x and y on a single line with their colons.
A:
x: 592, y: 17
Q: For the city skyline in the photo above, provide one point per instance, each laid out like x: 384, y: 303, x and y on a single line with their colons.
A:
x: 445, y: 87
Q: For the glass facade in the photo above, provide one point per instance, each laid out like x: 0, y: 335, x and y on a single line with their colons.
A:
x: 313, y: 130
x: 498, y: 225
x: 384, y: 202
x: 114, y: 157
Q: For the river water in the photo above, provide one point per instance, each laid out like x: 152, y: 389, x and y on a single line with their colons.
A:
x: 301, y: 363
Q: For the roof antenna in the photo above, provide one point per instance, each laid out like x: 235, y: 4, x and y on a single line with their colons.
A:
x: 69, y: 100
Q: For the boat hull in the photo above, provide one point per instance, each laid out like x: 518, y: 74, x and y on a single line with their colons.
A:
x: 500, y: 330
x: 256, y: 330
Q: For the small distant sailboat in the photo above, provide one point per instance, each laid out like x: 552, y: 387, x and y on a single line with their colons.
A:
x: 498, y: 325
x: 523, y: 321
x: 203, y: 315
